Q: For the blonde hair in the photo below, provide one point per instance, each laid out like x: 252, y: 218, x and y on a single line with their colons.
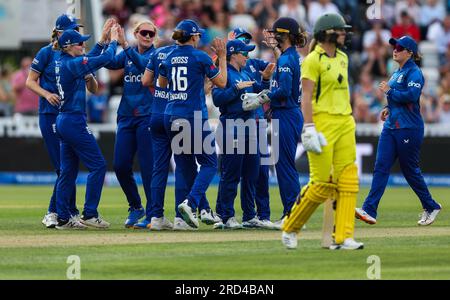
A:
x: 146, y: 21
x: 54, y: 40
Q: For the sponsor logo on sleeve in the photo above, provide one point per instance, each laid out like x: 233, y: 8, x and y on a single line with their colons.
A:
x: 284, y: 70
x: 414, y: 84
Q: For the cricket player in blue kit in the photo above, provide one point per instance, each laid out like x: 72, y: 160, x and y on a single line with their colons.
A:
x: 238, y: 161
x: 41, y: 80
x: 73, y: 72
x: 285, y: 105
x: 184, y: 71
x: 402, y: 134
x: 133, y: 121
x: 162, y: 153
x: 255, y: 67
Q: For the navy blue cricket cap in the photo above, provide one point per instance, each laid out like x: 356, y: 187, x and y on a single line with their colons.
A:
x: 65, y: 22
x: 406, y: 42
x: 234, y: 46
x: 238, y: 32
x: 189, y: 28
x: 70, y: 37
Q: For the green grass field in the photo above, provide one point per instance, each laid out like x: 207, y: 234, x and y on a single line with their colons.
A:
x: 30, y: 251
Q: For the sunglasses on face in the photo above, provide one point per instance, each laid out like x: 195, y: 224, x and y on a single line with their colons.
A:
x: 144, y: 33
x: 244, y: 39
x: 244, y: 53
x: 399, y: 48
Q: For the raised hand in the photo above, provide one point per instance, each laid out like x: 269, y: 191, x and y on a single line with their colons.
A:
x: 268, y: 71
x: 106, y: 31
x: 115, y: 32
x: 269, y: 39
x: 122, y: 40
x: 218, y: 46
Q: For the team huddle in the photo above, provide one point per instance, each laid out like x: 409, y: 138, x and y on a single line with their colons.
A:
x: 164, y: 98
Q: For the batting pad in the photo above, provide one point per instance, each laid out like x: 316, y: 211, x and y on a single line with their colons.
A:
x: 348, y: 187
x: 310, y: 198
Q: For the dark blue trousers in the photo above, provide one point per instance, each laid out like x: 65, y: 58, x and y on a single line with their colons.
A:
x: 290, y: 128
x: 188, y: 179
x: 403, y: 144
x: 47, y: 124
x: 134, y: 135
x: 262, y: 184
x: 161, y: 164
x: 235, y: 168
x: 162, y: 153
x: 78, y: 143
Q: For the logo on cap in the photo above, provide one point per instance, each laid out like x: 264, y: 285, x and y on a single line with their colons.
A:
x: 194, y: 29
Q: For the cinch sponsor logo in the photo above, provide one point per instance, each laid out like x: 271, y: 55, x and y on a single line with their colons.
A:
x: 179, y: 60
x: 131, y: 78
x: 35, y: 61
x: 284, y: 69
x: 414, y: 84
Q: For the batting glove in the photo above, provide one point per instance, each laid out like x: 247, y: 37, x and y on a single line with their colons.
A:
x: 311, y: 139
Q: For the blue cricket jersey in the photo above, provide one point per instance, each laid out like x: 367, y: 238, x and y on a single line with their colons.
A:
x: 253, y: 68
x: 44, y: 64
x: 160, y: 95
x: 229, y: 99
x: 285, y: 84
x: 136, y: 99
x: 404, y: 97
x: 70, y: 72
x: 185, y: 69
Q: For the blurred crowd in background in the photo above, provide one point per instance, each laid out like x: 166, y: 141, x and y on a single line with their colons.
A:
x: 427, y: 21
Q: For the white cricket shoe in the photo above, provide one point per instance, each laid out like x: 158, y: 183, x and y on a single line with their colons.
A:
x: 267, y: 224
x: 289, y: 240
x: 278, y: 224
x: 95, y: 222
x: 50, y: 220
x: 160, y: 224
x: 208, y: 217
x: 72, y: 224
x: 348, y: 244
x: 232, y: 223
x: 364, y: 216
x: 180, y: 224
x: 77, y: 217
x: 428, y: 218
x: 188, y: 215
x: 253, y: 223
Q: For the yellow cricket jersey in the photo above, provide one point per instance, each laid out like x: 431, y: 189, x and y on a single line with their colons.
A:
x: 331, y: 92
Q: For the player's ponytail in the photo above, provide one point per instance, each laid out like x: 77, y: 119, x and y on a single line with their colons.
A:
x: 54, y: 40
x: 417, y: 58
x: 178, y: 35
x: 299, y: 40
